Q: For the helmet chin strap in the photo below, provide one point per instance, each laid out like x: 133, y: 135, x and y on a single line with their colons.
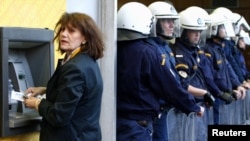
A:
x: 188, y: 43
x: 219, y: 38
x: 165, y: 37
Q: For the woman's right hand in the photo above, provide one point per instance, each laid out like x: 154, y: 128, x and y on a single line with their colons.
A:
x: 35, y: 91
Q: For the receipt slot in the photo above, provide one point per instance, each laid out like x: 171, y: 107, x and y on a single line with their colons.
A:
x: 27, y: 59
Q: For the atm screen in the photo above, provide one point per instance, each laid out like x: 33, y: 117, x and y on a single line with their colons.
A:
x: 19, y: 71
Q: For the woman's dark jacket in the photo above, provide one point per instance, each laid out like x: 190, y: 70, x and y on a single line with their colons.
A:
x: 71, y: 111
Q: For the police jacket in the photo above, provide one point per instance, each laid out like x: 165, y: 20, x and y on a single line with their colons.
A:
x: 225, y: 76
x: 167, y: 55
x: 142, y: 81
x: 188, y: 63
x: 208, y: 74
x: 204, y: 74
x: 242, y: 63
x: 71, y: 111
x: 230, y: 52
x: 167, y: 59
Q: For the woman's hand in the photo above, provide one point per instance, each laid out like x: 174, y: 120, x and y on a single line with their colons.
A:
x: 32, y: 102
x: 35, y: 91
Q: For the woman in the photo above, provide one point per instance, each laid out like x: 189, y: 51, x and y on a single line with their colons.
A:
x: 71, y: 110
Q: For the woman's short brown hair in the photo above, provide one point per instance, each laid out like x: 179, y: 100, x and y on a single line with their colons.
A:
x: 94, y: 40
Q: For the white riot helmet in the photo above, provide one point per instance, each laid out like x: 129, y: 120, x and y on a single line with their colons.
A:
x: 224, y: 11
x: 228, y: 14
x: 191, y: 21
x: 204, y: 14
x: 164, y: 11
x: 239, y: 23
x: 134, y: 21
x: 219, y: 20
x: 245, y: 37
x: 201, y: 11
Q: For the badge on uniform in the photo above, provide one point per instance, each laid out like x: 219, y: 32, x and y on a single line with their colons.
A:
x: 163, y: 59
x: 198, y: 59
x: 183, y: 74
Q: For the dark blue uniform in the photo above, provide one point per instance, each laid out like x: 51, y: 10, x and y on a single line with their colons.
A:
x: 230, y: 55
x: 226, y: 78
x: 224, y: 75
x: 141, y: 82
x: 188, y: 64
x: 242, y: 63
x: 160, y: 124
x: 167, y: 54
x: 208, y: 74
x: 194, y: 68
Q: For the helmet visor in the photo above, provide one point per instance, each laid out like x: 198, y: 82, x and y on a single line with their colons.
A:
x: 168, y: 27
x: 229, y: 29
x: 245, y: 37
x: 203, y: 38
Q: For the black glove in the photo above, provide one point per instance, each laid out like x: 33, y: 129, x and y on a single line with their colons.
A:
x: 234, y: 95
x: 209, y: 99
x: 227, y: 97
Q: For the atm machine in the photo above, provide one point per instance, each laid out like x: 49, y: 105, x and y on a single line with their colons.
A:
x: 27, y: 59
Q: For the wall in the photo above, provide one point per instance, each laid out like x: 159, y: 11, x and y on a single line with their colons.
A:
x: 89, y: 7
x: 30, y: 13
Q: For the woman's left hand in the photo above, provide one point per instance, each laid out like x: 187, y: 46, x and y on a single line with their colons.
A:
x: 32, y: 102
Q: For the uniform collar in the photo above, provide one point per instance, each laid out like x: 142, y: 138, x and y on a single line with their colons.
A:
x: 219, y: 42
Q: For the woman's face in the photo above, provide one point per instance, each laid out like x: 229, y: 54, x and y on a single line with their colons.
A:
x: 70, y: 38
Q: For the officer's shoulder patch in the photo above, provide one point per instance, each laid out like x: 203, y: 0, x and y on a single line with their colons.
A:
x: 219, y: 62
x: 208, y: 54
x: 200, y: 52
x: 182, y: 73
x: 181, y: 66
